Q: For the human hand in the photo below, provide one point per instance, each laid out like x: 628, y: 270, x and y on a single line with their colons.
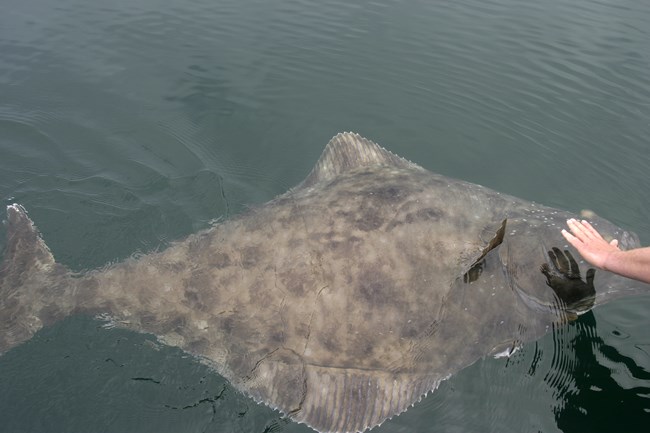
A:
x: 589, y: 243
x: 564, y: 278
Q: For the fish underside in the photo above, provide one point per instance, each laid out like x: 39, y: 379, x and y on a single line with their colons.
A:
x: 341, y: 302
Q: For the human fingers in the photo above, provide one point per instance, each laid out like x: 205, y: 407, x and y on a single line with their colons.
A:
x: 571, y: 239
x: 578, y: 230
x: 614, y: 243
x: 589, y: 228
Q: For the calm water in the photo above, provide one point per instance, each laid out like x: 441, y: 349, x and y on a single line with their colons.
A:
x: 128, y: 124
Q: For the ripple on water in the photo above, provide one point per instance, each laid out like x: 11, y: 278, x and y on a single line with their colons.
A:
x: 126, y: 124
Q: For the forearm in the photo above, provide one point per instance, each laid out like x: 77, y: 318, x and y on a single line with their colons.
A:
x: 632, y: 263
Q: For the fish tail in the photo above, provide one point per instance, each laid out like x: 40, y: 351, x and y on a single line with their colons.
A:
x: 29, y: 287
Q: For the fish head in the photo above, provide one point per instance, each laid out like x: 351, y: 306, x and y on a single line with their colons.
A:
x: 549, y: 274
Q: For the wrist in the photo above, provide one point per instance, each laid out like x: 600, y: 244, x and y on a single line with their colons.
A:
x: 612, y: 260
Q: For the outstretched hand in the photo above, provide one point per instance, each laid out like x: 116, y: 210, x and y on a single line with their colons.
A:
x: 564, y: 278
x: 589, y: 243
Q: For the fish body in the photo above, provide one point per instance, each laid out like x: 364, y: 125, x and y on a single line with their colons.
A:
x: 341, y: 302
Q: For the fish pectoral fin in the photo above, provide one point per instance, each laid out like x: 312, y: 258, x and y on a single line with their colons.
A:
x: 476, y: 268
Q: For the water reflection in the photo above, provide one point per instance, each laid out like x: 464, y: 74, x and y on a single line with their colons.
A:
x: 590, y: 398
x: 123, y: 125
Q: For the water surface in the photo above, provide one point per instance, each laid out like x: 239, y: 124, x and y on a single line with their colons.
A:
x: 129, y: 124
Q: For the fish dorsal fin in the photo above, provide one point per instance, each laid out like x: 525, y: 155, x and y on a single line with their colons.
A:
x: 348, y: 151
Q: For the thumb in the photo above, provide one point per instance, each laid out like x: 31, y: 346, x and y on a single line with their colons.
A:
x: 591, y: 272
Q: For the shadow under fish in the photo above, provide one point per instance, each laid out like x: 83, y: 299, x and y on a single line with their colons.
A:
x: 342, y: 302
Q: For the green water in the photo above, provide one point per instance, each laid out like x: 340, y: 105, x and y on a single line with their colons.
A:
x: 129, y: 124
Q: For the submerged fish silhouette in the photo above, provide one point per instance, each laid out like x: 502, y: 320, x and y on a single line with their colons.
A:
x: 341, y: 302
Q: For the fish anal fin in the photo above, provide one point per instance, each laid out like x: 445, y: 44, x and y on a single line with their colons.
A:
x: 340, y: 399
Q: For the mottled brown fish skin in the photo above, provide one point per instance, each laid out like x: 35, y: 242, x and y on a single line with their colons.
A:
x: 348, y: 275
x: 341, y: 302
